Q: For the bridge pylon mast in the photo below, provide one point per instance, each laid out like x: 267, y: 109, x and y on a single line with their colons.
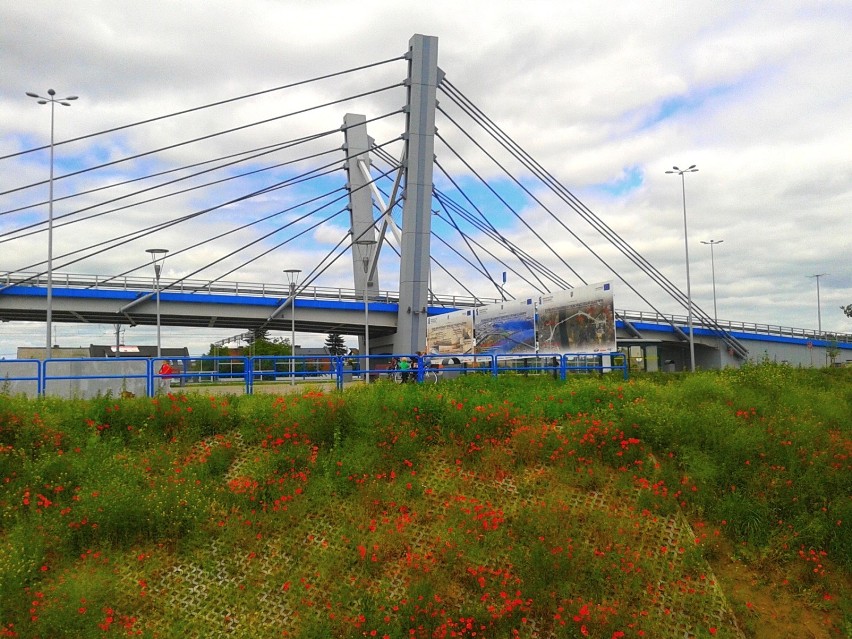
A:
x: 423, y: 78
x: 362, y: 228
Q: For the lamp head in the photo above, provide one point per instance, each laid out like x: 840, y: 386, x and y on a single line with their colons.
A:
x: 292, y: 275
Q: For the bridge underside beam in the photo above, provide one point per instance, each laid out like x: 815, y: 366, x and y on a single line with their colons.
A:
x: 311, y: 316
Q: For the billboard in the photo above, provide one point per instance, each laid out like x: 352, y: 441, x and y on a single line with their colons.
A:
x: 580, y: 320
x: 506, y: 328
x: 450, y: 333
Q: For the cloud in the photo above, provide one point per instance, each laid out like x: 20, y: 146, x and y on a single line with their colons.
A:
x: 606, y: 99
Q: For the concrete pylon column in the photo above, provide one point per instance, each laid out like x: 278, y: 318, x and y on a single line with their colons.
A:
x: 416, y: 213
x: 357, y: 147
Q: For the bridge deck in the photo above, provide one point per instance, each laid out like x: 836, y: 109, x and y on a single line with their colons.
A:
x: 241, y: 305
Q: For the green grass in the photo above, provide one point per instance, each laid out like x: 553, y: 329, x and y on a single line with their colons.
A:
x: 516, y: 506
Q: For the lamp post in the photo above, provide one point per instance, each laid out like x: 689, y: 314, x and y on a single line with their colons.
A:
x: 365, y: 251
x: 819, y: 310
x: 52, y: 101
x: 680, y: 172
x: 293, y: 280
x: 713, y: 243
x: 158, y: 256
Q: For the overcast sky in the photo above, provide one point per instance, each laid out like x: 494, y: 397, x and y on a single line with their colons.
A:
x: 606, y: 96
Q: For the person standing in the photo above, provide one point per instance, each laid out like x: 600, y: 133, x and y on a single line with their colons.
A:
x: 166, y: 372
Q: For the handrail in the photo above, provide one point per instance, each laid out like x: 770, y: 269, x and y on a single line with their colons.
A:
x: 198, y: 286
x: 147, y: 284
x: 728, y: 325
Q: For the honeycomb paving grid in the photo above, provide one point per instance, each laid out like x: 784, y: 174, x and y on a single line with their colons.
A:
x: 679, y: 614
x: 208, y: 592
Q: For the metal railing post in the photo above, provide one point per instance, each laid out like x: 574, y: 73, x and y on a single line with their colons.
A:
x: 248, y: 375
x: 338, y: 366
x: 149, y: 377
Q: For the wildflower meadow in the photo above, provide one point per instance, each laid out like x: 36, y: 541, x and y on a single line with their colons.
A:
x: 714, y: 504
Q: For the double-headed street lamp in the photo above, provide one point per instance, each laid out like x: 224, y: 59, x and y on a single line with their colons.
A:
x: 365, y: 252
x: 52, y: 101
x: 293, y: 280
x: 158, y: 256
x: 680, y: 172
x: 713, y: 243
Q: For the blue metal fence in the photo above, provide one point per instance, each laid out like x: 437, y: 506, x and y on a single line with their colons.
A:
x: 86, y: 377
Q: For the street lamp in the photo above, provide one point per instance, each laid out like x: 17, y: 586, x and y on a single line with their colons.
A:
x: 819, y: 310
x: 365, y: 251
x: 713, y: 243
x: 52, y: 101
x: 680, y: 172
x: 293, y: 280
x: 158, y: 256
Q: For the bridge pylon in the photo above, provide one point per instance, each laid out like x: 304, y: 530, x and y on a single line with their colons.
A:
x: 414, y: 239
x: 365, y: 247
x: 423, y: 78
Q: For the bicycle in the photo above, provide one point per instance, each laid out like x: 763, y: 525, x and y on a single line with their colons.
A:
x: 431, y: 375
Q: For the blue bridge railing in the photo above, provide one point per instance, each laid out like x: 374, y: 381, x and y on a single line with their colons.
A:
x: 130, y: 376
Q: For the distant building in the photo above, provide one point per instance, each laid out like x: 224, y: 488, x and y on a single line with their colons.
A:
x: 94, y: 350
x: 321, y: 351
x: 37, y: 352
x: 317, y: 358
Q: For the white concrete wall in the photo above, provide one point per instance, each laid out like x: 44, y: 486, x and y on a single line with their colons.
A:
x: 82, y: 379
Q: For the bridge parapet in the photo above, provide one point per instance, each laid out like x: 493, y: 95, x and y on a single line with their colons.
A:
x: 280, y: 291
x: 733, y: 326
x: 222, y: 287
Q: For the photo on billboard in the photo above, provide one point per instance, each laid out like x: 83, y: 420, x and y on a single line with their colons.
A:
x: 450, y: 333
x: 579, y: 320
x: 506, y: 328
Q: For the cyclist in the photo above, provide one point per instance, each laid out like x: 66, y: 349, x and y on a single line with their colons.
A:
x: 430, y: 374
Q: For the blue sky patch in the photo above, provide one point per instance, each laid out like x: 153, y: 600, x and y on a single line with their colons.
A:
x: 673, y: 106
x: 631, y: 178
x: 486, y: 201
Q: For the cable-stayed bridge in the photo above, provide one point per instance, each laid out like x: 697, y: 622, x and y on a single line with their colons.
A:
x: 322, y: 310
x: 428, y: 198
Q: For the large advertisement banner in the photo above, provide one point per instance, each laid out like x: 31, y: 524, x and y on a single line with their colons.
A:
x: 580, y: 320
x: 506, y: 328
x: 450, y: 333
